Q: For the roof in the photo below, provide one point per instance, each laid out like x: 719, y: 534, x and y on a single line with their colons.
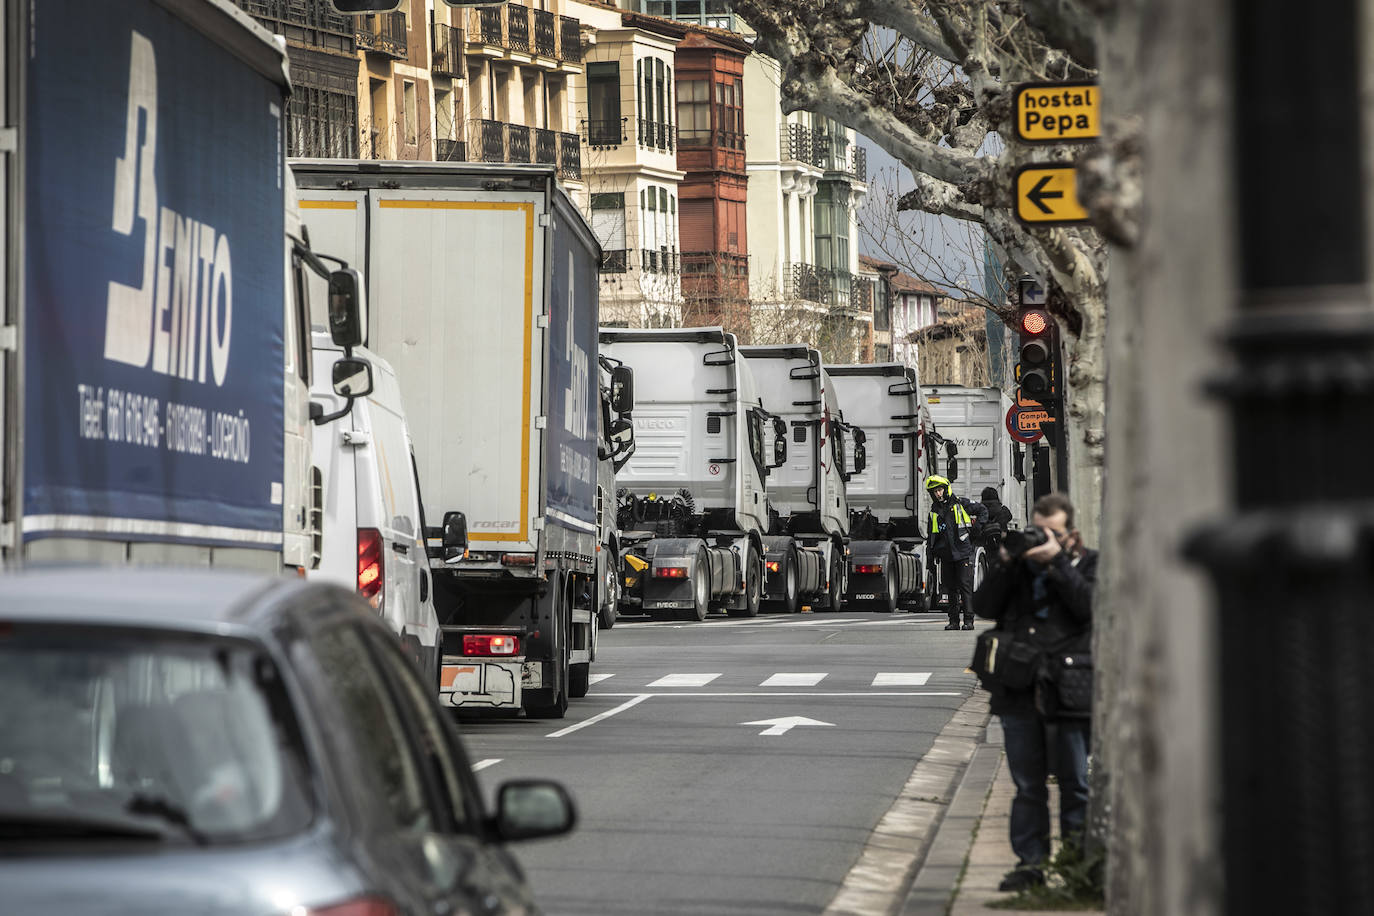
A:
x: 899, y: 281
x: 195, y: 600
x: 690, y: 33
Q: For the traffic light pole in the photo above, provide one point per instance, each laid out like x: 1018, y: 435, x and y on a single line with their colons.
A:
x: 1294, y: 566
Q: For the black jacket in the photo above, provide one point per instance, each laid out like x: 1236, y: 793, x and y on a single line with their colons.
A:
x: 1008, y: 596
x: 950, y: 537
x: 998, y: 514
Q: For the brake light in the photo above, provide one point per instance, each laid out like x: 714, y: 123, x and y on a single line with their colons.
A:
x: 670, y: 572
x: 774, y: 565
x: 363, y: 906
x: 371, y: 564
x: 868, y: 568
x: 491, y: 644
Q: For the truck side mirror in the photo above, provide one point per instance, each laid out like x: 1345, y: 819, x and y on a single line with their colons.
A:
x: 455, y: 535
x: 951, y: 448
x: 622, y: 440
x: 779, y: 442
x: 622, y: 390
x: 352, y: 377
x: 347, y: 308
x: 860, y: 457
x: 952, y: 468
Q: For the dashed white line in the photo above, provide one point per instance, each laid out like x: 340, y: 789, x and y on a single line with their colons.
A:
x: 685, y: 680
x: 483, y: 764
x: 901, y: 678
x: 794, y: 679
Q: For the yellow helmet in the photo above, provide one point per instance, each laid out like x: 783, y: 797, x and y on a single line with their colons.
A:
x: 935, y: 480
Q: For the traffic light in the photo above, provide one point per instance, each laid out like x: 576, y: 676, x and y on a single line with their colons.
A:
x: 1037, y: 356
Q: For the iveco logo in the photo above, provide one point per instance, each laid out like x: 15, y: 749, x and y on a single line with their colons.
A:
x: 657, y: 423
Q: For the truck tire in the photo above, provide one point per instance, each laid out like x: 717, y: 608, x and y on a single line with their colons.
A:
x: 608, y: 607
x: 701, y: 588
x: 753, y: 587
x: 791, y: 597
x: 890, y: 576
x: 579, y: 680
x: 836, y: 582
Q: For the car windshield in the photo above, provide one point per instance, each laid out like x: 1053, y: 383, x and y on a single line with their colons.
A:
x: 124, y: 734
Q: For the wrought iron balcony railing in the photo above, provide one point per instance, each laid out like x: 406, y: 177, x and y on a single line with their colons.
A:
x: 795, y: 142
x: 448, y: 49
x: 615, y: 260
x: 837, y: 289
x: 517, y: 27
x: 569, y: 156
x: 545, y: 33
x: 605, y: 134
x: 488, y: 140
x: 545, y: 146
x: 489, y: 30
x: 391, y: 35
x: 569, y: 39
x: 450, y: 151
x: 517, y: 143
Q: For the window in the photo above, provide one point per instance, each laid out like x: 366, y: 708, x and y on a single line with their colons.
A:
x: 443, y: 114
x: 608, y: 224
x: 603, y: 104
x: 639, y: 99
x: 693, y: 112
x: 411, y: 113
x: 730, y: 114
x: 660, y: 103
x: 646, y: 88
x: 376, y: 732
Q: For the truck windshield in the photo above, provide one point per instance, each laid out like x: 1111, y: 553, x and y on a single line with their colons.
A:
x: 145, y: 735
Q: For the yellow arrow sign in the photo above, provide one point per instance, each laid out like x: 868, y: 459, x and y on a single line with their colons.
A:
x: 1048, y: 194
x: 1058, y: 112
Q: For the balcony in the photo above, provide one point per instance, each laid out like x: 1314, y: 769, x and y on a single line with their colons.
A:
x: 450, y: 151
x: 383, y: 34
x: 795, y: 143
x: 569, y: 157
x: 545, y: 33
x: 489, y: 30
x: 545, y: 146
x: 569, y: 40
x: 317, y: 25
x: 861, y: 295
x: 488, y: 140
x: 448, y: 49
x: 838, y: 289
x: 657, y: 136
x: 518, y: 28
x: 517, y: 143
x: 615, y: 261
x: 605, y: 134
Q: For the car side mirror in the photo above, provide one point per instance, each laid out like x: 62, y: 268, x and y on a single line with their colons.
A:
x: 622, y: 390
x: 352, y: 377
x: 347, y: 307
x: 455, y: 535
x: 531, y: 808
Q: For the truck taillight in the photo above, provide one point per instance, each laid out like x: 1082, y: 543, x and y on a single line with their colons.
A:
x: 670, y: 572
x: 862, y: 568
x: 362, y: 906
x: 490, y: 644
x: 371, y: 564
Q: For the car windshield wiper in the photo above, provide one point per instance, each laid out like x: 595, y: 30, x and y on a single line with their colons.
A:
x: 168, y: 811
x: 30, y: 825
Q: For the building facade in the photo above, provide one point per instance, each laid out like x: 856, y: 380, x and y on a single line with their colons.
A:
x: 904, y: 307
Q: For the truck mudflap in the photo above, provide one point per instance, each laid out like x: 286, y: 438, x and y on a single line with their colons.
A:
x: 667, y: 582
x: 485, y: 683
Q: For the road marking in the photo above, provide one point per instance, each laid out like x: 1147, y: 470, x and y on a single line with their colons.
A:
x: 483, y: 764
x: 782, y: 726
x: 685, y: 680
x: 813, y: 693
x: 598, y: 678
x: 634, y: 700
x: 901, y: 678
x: 794, y: 679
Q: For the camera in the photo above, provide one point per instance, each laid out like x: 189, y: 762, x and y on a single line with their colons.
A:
x: 1018, y: 542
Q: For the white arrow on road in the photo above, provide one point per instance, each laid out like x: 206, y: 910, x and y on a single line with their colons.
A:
x: 783, y: 726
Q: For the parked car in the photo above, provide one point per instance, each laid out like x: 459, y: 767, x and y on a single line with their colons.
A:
x: 210, y: 742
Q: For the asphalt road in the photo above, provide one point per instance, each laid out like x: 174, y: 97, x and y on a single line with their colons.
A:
x: 686, y: 807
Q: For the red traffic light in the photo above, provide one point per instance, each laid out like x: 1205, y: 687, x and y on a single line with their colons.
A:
x: 1034, y: 322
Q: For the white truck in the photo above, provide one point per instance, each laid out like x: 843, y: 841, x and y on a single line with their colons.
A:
x: 617, y: 445
x: 888, y: 501
x: 156, y: 350
x: 692, y: 503
x: 975, y: 420
x: 484, y: 285
x: 806, y: 547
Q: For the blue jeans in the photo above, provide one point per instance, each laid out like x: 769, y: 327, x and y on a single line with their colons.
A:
x: 1028, y: 738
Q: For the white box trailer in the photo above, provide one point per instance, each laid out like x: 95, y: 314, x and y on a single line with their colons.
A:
x: 483, y: 281
x: 806, y: 546
x: 692, y: 507
x: 975, y: 420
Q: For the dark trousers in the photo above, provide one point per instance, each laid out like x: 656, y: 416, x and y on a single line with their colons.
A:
x: 1028, y: 743
x: 957, y: 578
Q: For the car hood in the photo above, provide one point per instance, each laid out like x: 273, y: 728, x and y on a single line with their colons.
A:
x: 261, y: 880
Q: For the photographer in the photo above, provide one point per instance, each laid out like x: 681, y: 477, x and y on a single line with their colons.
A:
x: 1040, y: 594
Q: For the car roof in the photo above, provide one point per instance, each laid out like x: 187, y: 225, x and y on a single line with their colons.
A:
x: 193, y: 600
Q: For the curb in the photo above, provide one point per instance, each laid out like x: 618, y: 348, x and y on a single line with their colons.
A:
x: 896, y: 851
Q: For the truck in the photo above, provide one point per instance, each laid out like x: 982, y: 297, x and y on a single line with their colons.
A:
x: 806, y: 547
x: 616, y: 446
x: 888, y: 500
x: 156, y: 349
x: 692, y: 501
x: 483, y: 281
x: 975, y: 420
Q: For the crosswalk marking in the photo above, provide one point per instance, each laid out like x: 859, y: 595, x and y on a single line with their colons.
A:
x: 794, y: 679
x: 598, y: 678
x: 901, y: 679
x: 685, y: 680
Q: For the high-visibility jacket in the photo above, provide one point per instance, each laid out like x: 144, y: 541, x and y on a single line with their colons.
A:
x: 951, y: 530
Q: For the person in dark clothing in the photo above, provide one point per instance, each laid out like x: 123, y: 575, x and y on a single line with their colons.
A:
x: 999, y: 516
x: 1044, y: 597
x: 951, y: 543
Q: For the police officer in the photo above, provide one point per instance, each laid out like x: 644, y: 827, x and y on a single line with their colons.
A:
x: 951, y: 542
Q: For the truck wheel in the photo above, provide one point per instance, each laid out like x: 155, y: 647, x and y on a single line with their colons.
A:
x: 836, y: 582
x: 791, y: 599
x: 579, y: 680
x: 609, y: 610
x: 752, y: 586
x: 701, y: 587
x: 890, y: 575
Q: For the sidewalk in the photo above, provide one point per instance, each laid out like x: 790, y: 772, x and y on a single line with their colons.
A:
x: 970, y: 852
